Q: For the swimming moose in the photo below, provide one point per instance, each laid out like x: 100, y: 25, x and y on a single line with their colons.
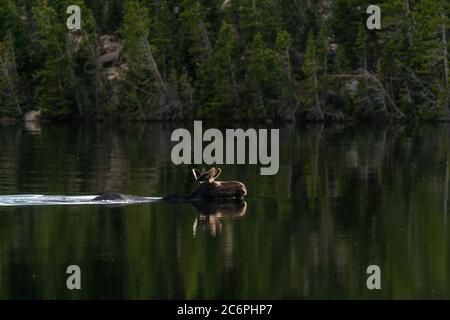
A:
x: 207, y: 189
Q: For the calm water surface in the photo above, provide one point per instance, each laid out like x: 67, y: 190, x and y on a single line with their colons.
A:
x: 343, y: 199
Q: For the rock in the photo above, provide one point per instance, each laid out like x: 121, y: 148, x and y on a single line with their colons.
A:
x: 108, y: 43
x: 108, y: 58
x: 112, y: 73
x: 109, y: 50
x: 32, y: 116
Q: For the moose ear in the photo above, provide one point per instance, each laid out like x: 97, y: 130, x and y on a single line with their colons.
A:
x: 217, y: 174
x: 196, y: 173
x: 212, y: 174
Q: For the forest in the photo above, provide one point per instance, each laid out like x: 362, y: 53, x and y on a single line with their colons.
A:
x: 246, y: 60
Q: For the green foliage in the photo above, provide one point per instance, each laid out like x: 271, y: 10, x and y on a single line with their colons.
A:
x: 265, y: 77
x: 114, y: 14
x: 55, y: 88
x: 11, y: 24
x: 347, y: 17
x: 342, y: 63
x: 135, y: 32
x: 11, y: 96
x: 311, y: 84
x: 62, y: 85
x: 251, y: 59
x: 218, y: 79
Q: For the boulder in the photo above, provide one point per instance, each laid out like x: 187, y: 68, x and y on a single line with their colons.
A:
x: 108, y: 58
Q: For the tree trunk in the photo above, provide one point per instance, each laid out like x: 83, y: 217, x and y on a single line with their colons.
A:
x: 410, y: 31
x: 318, y: 113
x: 445, y: 61
x: 205, y: 37
x: 152, y: 60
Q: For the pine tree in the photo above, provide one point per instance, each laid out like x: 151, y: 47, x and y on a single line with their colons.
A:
x: 164, y: 30
x: 193, y: 37
x: 299, y: 18
x: 287, y: 85
x: 434, y: 21
x: 257, y: 77
x: 264, y: 75
x: 148, y: 93
x: 397, y: 50
x: 99, y: 9
x: 56, y: 94
x: 347, y: 16
x: 11, y: 95
x: 218, y: 81
x: 283, y: 45
x: 362, y: 49
x: 342, y: 63
x: 258, y: 17
x: 11, y: 26
x: 135, y: 31
x: 114, y: 15
x: 311, y: 86
x: 323, y: 46
x: 82, y: 47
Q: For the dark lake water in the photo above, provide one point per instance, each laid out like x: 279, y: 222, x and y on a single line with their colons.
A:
x: 344, y: 199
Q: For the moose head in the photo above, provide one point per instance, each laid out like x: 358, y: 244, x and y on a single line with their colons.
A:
x: 208, y: 187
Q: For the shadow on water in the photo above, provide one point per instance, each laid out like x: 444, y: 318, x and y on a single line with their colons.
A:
x: 344, y: 198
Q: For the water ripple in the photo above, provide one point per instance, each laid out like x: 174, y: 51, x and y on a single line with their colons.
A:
x: 47, y: 200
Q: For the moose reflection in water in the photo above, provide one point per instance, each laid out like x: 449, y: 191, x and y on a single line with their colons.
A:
x: 211, y: 213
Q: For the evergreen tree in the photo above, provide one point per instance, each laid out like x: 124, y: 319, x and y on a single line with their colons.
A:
x: 287, y: 85
x: 114, y: 15
x: 342, y: 63
x: 219, y: 80
x: 362, y: 49
x: 434, y: 50
x: 311, y: 85
x: 299, y: 18
x: 99, y: 9
x: 56, y: 94
x: 194, y: 40
x: 148, y: 93
x: 11, y: 26
x: 347, y: 16
x: 82, y: 46
x: 164, y: 31
x: 258, y: 17
x: 11, y: 95
x: 323, y: 46
x: 264, y: 75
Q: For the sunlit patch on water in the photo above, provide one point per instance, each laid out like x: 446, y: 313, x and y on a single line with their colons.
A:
x: 49, y: 200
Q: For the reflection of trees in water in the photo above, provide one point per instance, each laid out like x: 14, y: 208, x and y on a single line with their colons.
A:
x: 372, y: 189
x: 9, y: 156
x: 344, y: 198
x: 88, y: 159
